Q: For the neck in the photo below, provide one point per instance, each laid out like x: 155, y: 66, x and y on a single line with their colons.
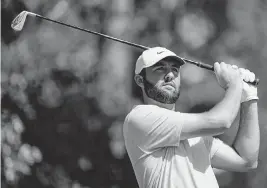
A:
x: 148, y: 100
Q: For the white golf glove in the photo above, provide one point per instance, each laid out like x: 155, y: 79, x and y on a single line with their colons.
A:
x: 249, y: 91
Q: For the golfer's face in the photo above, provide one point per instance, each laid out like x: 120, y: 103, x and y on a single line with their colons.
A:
x: 165, y: 75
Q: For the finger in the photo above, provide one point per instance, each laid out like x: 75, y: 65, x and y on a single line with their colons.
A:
x: 223, y: 66
x: 247, y: 75
x: 234, y: 67
x: 242, y: 72
x: 230, y: 68
x: 217, y: 68
x: 251, y: 76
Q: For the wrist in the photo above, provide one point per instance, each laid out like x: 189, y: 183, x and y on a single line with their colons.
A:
x: 249, y: 93
x: 235, y: 84
x: 248, y: 105
x: 250, y: 101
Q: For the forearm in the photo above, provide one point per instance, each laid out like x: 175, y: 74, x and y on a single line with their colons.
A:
x: 227, y: 109
x: 248, y: 137
x: 228, y: 137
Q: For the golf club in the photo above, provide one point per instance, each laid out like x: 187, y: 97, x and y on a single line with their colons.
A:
x: 19, y: 21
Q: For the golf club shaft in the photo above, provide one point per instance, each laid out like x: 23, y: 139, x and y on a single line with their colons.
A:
x: 95, y: 33
x: 202, y: 65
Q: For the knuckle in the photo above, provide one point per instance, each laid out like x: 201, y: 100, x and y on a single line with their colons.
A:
x: 234, y: 67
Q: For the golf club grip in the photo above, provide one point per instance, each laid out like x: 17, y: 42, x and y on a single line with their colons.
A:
x: 210, y: 67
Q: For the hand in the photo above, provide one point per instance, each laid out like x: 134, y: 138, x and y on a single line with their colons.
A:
x: 249, y: 91
x: 227, y: 75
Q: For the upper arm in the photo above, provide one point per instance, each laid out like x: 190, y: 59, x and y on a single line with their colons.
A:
x: 226, y: 158
x: 201, y: 124
x: 152, y: 127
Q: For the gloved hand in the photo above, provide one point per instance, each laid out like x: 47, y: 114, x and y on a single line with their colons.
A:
x: 249, y: 91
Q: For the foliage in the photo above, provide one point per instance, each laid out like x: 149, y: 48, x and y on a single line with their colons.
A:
x: 65, y: 93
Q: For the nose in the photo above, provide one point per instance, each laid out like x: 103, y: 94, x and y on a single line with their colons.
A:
x: 169, y: 77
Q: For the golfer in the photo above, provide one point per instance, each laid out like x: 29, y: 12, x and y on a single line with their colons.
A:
x: 170, y: 149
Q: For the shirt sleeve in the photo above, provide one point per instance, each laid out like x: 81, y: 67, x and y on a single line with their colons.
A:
x: 212, y: 144
x: 153, y: 127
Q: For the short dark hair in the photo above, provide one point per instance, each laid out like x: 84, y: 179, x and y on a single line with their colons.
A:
x: 143, y: 73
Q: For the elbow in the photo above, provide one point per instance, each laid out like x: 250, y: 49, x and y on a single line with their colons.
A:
x: 253, y: 165
x: 224, y: 124
x: 250, y: 166
x: 251, y: 162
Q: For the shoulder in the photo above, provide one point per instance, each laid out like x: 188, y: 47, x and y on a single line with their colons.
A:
x: 142, y: 117
x: 137, y: 119
x: 140, y: 111
x: 144, y: 108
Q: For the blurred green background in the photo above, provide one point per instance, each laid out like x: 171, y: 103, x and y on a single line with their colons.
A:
x: 65, y: 93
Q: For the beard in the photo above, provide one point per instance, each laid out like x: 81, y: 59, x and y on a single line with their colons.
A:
x: 156, y: 93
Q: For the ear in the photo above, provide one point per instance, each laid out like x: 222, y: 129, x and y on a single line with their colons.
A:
x: 139, y: 80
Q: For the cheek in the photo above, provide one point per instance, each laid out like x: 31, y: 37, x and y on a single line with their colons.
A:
x: 177, y: 81
x: 155, y: 79
x: 157, y: 83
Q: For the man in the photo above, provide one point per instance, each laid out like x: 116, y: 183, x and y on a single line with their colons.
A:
x: 170, y: 149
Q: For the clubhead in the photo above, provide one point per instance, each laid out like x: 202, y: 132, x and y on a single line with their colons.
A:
x: 18, y: 23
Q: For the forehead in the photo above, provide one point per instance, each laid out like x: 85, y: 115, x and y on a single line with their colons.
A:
x: 168, y: 62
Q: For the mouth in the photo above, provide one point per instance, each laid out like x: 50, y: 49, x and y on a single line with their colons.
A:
x: 169, y: 85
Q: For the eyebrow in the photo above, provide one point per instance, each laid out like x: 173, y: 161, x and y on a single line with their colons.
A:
x: 160, y: 64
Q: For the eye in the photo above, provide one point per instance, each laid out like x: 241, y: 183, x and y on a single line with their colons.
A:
x: 159, y: 69
x: 175, y: 69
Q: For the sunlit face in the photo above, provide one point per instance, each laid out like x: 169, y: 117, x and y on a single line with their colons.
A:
x: 162, y: 81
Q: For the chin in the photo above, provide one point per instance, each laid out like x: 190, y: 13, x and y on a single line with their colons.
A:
x: 170, y: 92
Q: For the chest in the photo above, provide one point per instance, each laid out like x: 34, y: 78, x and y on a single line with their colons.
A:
x: 196, y: 153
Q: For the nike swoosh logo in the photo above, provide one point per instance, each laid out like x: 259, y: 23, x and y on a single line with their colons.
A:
x: 160, y: 52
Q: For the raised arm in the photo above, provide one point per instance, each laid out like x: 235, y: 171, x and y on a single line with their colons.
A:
x: 221, y: 116
x: 244, y: 152
x: 248, y: 137
x: 159, y: 127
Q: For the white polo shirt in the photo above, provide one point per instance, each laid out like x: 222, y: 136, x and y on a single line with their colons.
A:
x: 158, y: 156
